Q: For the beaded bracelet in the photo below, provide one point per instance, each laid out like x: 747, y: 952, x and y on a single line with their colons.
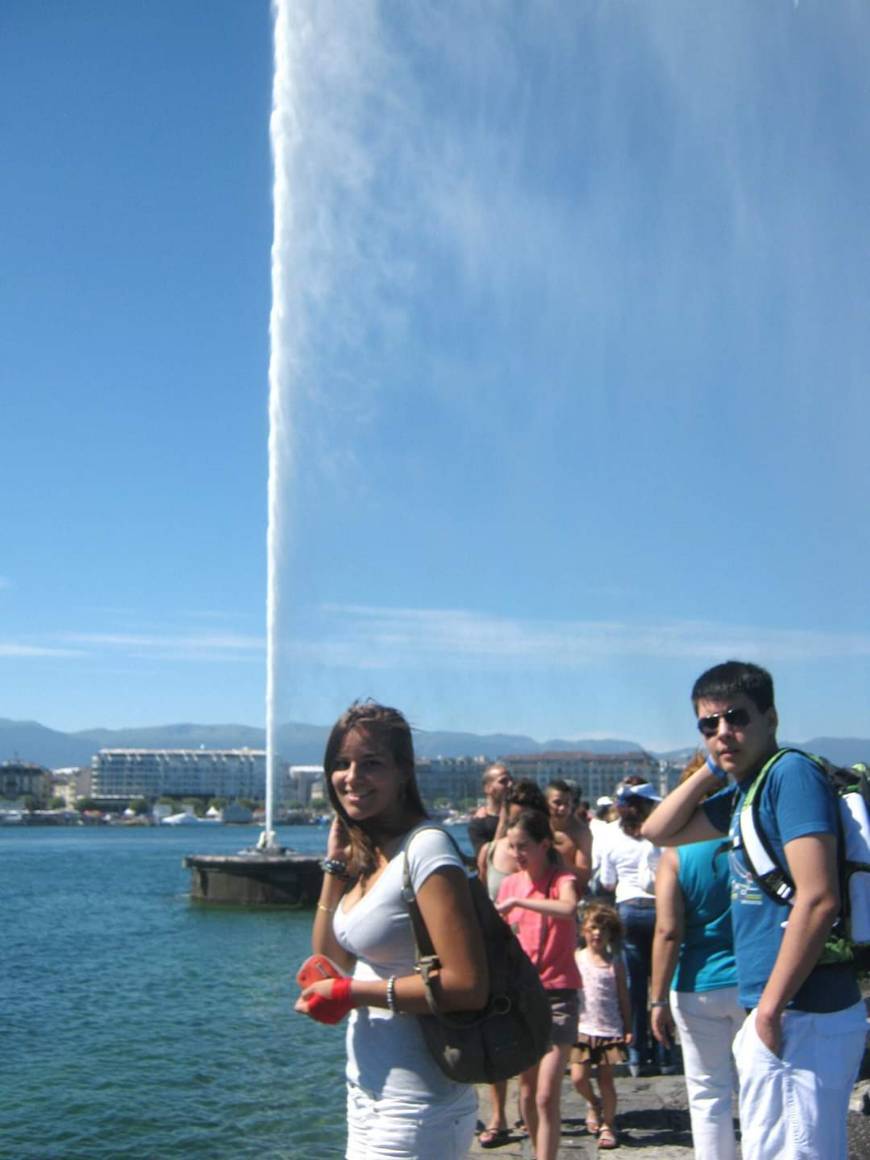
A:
x: 334, y: 866
x: 391, y: 995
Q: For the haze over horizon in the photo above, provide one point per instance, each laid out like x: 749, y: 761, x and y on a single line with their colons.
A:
x: 582, y: 360
x: 304, y: 743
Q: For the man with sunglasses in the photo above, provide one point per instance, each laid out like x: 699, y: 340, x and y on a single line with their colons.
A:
x: 799, y: 1050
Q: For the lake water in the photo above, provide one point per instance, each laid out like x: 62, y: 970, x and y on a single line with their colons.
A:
x: 136, y: 1024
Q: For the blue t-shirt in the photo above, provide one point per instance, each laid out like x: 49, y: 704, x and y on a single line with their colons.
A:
x: 795, y: 802
x: 706, y: 960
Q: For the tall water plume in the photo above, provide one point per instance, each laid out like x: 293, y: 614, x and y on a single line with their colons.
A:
x: 284, y: 136
x: 322, y: 176
x: 522, y: 254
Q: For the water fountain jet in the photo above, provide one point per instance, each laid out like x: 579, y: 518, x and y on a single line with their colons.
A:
x: 267, y: 873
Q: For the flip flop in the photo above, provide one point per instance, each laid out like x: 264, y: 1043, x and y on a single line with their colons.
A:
x: 607, y: 1138
x: 494, y: 1137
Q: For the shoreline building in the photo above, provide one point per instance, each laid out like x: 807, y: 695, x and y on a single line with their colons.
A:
x: 595, y: 774
x: 450, y: 779
x: 440, y: 779
x: 304, y: 784
x: 23, y: 779
x: 123, y: 774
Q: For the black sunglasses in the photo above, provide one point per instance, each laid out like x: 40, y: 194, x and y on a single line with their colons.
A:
x: 736, y: 718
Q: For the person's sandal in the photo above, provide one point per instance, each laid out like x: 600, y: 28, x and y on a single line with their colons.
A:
x: 593, y: 1119
x: 607, y: 1138
x: 494, y: 1137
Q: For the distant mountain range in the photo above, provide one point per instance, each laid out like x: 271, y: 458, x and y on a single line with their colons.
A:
x: 304, y: 744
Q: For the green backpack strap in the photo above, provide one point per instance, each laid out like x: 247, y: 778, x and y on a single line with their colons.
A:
x: 772, y: 877
x: 761, y: 858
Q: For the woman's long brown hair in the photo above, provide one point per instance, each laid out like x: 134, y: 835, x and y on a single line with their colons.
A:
x: 388, y: 726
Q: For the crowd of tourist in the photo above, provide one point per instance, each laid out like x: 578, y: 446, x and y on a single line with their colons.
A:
x: 643, y: 917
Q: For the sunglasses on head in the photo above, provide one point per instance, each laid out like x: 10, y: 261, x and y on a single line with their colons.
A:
x: 736, y: 718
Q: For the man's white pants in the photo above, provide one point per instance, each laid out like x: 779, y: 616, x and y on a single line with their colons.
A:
x: 708, y: 1022
x: 794, y: 1107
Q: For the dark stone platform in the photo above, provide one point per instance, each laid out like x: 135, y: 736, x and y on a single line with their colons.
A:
x: 269, y: 878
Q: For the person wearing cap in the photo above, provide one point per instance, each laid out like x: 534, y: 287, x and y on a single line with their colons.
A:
x: 603, y: 816
x: 599, y: 826
x: 628, y: 864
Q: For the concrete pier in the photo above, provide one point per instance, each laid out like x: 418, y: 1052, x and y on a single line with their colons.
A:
x: 255, y: 878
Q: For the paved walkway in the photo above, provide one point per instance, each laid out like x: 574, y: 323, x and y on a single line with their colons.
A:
x: 652, y: 1116
x: 652, y: 1119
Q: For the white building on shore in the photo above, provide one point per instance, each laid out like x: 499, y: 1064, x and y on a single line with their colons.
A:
x: 123, y: 774
x: 594, y: 774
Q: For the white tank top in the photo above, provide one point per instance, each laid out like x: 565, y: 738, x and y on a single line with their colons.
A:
x: 599, y: 1002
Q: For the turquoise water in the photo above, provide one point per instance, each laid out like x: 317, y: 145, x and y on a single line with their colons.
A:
x: 136, y: 1024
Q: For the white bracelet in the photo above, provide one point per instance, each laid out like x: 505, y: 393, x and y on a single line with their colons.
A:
x: 391, y: 995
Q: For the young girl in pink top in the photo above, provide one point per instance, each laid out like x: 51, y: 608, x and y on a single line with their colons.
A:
x: 540, y: 903
x: 605, y: 1019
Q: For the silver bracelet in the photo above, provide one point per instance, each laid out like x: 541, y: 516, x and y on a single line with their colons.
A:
x: 660, y: 1003
x: 391, y: 995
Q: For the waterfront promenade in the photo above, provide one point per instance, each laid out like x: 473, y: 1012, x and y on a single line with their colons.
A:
x: 652, y: 1123
x: 652, y: 1118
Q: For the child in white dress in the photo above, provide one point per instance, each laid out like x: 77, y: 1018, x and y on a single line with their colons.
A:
x: 603, y: 1026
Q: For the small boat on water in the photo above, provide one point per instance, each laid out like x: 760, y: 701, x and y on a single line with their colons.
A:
x: 189, y: 820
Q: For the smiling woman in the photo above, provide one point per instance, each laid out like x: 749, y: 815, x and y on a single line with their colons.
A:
x: 399, y: 1102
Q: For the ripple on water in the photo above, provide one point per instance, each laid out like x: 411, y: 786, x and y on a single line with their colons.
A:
x: 135, y: 1024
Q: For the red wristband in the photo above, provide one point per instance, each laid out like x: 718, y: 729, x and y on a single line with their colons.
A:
x: 334, y: 1007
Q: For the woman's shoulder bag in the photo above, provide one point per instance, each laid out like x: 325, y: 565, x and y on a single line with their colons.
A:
x: 512, y: 1032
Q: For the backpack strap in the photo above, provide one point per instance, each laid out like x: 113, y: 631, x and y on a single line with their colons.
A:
x: 758, y: 850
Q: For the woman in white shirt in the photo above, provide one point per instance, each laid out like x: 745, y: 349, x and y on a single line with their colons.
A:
x: 628, y: 863
x: 399, y: 1103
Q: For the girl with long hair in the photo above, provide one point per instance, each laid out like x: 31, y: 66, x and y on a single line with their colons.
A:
x: 604, y: 1026
x: 399, y: 1103
x: 494, y: 863
x: 540, y: 902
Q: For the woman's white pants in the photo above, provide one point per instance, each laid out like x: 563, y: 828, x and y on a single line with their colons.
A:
x: 708, y: 1022
x: 392, y: 1128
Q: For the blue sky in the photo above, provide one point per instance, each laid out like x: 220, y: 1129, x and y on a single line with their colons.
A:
x: 578, y: 327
